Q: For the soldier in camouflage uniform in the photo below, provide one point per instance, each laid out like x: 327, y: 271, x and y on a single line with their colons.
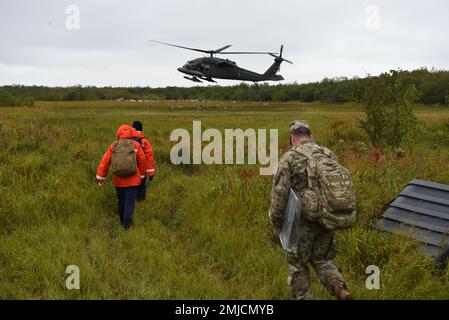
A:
x: 317, y: 245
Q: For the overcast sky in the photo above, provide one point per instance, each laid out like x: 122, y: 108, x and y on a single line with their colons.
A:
x: 43, y: 44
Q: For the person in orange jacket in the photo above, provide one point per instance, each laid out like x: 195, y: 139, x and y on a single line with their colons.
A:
x: 126, y: 188
x: 148, y: 150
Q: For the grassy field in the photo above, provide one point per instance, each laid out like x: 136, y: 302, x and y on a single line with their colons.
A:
x: 203, y: 232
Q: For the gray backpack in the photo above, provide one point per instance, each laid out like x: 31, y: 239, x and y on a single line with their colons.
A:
x: 124, y: 162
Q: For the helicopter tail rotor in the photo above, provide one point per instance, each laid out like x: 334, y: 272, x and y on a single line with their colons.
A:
x: 275, y: 67
x: 279, y: 57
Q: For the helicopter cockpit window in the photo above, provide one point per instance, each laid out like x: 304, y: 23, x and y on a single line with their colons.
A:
x: 190, y: 64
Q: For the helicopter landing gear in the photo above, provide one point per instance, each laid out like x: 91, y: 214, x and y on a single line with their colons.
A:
x: 193, y: 78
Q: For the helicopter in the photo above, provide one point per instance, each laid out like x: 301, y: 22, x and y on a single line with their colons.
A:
x: 210, y: 68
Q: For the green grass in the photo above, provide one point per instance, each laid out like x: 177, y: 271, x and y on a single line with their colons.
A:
x: 203, y: 232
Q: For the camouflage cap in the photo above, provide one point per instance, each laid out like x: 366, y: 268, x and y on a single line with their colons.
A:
x: 295, y: 125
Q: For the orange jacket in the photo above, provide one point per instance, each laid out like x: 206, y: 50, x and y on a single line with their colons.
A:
x: 148, y: 150
x: 124, y: 132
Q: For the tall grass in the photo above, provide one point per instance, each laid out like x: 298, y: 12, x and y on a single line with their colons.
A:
x: 203, y: 232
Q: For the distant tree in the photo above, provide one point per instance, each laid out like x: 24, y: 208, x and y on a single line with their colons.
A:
x: 432, y: 88
x: 9, y: 100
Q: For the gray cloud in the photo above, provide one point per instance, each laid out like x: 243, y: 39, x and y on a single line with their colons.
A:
x: 323, y: 38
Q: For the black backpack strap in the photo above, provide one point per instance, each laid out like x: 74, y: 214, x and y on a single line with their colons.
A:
x: 138, y: 140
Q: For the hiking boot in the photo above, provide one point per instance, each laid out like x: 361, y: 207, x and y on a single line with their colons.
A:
x: 341, y: 292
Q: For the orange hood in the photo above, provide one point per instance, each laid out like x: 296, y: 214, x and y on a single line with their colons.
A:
x: 125, y: 132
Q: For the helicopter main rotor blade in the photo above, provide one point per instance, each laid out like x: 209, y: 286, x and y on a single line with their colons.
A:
x: 245, y: 52
x: 218, y: 51
x: 221, y: 49
x: 193, y: 49
x: 174, y: 45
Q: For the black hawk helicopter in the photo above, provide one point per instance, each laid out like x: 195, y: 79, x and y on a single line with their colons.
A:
x: 208, y: 68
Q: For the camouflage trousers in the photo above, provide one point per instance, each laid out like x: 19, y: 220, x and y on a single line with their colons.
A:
x: 317, y: 246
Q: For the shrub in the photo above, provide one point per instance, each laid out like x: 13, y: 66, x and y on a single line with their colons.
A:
x: 388, y: 103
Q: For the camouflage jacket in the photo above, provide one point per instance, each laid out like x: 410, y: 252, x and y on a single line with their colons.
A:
x: 292, y: 172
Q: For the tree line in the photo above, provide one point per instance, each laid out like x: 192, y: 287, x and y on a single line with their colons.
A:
x: 432, y: 88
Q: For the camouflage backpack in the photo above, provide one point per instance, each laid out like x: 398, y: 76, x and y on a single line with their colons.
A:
x: 124, y: 162
x: 330, y: 197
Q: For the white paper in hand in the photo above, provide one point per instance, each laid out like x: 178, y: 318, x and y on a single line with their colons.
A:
x: 289, y: 234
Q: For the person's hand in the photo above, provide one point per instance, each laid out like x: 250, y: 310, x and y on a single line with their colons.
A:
x: 100, y: 182
x: 151, y: 178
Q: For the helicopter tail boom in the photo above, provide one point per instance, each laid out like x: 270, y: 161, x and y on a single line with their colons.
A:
x: 273, y: 69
